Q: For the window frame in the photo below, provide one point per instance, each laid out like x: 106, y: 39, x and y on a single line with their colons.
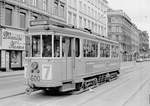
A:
x: 11, y: 18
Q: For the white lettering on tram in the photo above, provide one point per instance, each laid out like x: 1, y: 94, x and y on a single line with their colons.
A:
x: 46, y: 72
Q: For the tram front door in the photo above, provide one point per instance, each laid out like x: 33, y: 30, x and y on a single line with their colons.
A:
x: 69, y: 54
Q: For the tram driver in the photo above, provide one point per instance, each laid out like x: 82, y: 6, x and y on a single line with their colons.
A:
x: 47, y: 51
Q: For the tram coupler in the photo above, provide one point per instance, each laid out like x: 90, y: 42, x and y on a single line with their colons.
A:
x: 29, y: 90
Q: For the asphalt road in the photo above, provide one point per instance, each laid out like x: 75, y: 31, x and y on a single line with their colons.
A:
x: 11, y: 86
x: 131, y: 89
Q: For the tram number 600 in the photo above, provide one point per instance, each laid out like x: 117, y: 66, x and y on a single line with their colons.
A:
x: 35, y: 78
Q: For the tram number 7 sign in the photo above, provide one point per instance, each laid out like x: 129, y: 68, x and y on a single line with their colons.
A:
x: 46, y: 72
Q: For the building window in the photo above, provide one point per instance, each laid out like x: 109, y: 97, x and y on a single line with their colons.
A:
x: 109, y: 19
x: 74, y: 20
x: 23, y: 1
x: 69, y: 18
x: 62, y: 10
x: 89, y: 24
x: 56, y: 7
x: 92, y: 26
x: 75, y: 3
x: 22, y: 20
x: 117, y: 37
x: 44, y: 4
x: 8, y: 16
x: 85, y: 8
x: 33, y: 2
x: 80, y: 22
x: 88, y: 10
x: 84, y: 23
x: 69, y: 2
x: 80, y: 4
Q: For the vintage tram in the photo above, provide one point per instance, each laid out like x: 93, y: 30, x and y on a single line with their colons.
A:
x: 59, y: 57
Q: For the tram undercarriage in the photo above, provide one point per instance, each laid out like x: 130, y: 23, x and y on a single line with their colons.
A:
x: 86, y: 84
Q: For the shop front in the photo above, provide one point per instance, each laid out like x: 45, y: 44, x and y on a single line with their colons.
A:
x: 12, y: 47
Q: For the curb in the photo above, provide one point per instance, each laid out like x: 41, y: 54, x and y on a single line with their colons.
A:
x: 4, y: 75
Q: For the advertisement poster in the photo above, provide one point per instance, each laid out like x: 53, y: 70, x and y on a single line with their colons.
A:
x: 13, y: 40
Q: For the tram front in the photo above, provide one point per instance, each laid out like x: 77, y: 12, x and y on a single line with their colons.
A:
x: 48, y: 59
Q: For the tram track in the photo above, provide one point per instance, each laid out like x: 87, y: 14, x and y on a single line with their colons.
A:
x: 82, y: 91
x: 14, y: 95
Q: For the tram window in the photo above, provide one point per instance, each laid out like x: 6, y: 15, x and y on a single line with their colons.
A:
x: 56, y: 46
x: 104, y: 50
x: 47, y: 46
x: 28, y: 46
x: 36, y: 46
x: 77, y: 47
x: 114, y: 51
x: 66, y: 47
x: 107, y: 50
x: 90, y: 48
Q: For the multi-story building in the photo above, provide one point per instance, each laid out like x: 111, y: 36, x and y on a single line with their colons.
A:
x: 90, y: 14
x: 121, y: 29
x: 144, y: 43
x: 15, y: 17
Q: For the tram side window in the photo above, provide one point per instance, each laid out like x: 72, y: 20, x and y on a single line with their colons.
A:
x: 28, y: 46
x: 77, y: 47
x: 90, y: 48
x: 56, y: 46
x: 47, y: 46
x: 104, y: 50
x: 117, y: 51
x: 36, y: 46
x: 114, y: 51
x: 107, y: 50
x: 66, y: 47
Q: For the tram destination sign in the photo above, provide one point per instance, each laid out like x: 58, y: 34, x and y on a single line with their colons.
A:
x: 38, y: 22
x: 12, y: 40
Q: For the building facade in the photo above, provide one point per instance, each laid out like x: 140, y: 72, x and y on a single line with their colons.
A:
x: 89, y: 14
x: 121, y: 29
x: 144, y: 44
x: 15, y: 17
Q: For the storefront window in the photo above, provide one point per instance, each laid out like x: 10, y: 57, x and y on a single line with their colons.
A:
x: 15, y: 57
x: 36, y: 51
x: 47, y: 46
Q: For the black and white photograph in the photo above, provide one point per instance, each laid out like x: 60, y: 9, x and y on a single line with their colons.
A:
x: 74, y: 53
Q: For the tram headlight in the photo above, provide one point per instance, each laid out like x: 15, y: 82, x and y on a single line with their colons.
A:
x: 34, y: 65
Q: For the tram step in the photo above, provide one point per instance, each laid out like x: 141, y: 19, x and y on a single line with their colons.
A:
x: 67, y: 87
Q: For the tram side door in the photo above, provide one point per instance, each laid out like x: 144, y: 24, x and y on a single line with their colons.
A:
x: 69, y: 57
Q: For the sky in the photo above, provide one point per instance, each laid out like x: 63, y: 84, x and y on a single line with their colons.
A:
x: 137, y: 10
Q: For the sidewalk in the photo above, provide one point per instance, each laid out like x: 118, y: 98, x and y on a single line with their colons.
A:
x: 12, y: 73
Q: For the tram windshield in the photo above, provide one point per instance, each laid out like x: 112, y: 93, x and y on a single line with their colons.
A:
x: 50, y: 46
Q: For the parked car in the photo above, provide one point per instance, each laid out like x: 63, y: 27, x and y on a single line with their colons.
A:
x: 139, y: 60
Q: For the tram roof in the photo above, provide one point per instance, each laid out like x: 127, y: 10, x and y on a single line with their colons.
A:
x: 40, y: 29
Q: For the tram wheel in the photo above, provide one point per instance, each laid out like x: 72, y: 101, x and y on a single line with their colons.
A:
x: 78, y: 86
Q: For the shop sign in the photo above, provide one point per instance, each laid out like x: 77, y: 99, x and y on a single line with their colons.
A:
x: 38, y: 22
x: 13, y: 40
